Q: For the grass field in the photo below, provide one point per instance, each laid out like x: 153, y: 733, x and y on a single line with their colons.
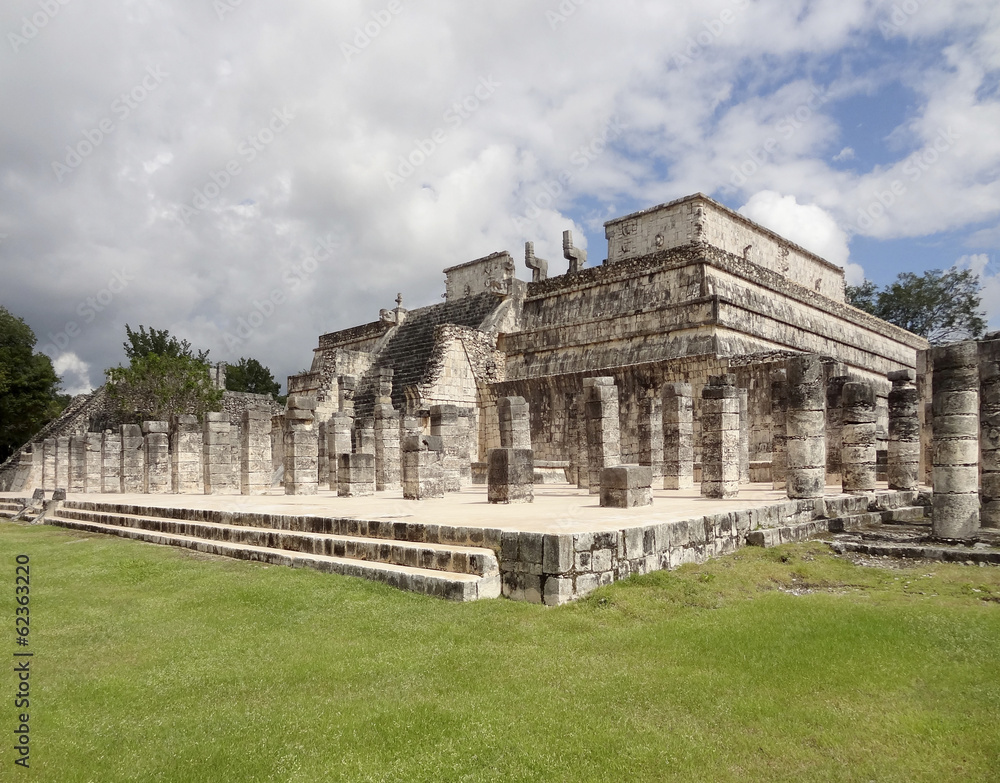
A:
x: 154, y: 664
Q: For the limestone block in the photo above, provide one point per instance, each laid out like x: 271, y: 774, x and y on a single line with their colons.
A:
x: 356, y: 473
x: 132, y: 459
x: 111, y: 456
x: 77, y: 458
x: 62, y: 463
x: 186, y: 455
x: 255, y: 452
x: 156, y: 454
x: 94, y: 462
x: 510, y: 477
x: 626, y: 486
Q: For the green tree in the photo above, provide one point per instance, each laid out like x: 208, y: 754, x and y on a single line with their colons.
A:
x: 164, y: 377
x: 249, y: 375
x: 939, y: 306
x: 160, y: 342
x: 29, y: 386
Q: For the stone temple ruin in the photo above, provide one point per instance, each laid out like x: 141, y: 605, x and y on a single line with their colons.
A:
x: 706, y: 351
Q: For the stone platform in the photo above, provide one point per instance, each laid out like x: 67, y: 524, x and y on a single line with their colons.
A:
x: 461, y: 547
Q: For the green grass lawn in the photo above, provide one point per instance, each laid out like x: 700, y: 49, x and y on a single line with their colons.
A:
x: 155, y: 664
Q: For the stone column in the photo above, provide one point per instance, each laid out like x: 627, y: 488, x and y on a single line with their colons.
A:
x: 444, y: 424
x: 743, y: 396
x: 77, y: 464
x: 218, y: 471
x: 187, y: 475
x: 511, y: 476
x: 779, y: 435
x: 925, y: 409
x: 49, y: 463
x: 423, y: 468
x: 323, y: 466
x: 278, y: 449
x: 651, y: 436
x: 388, y: 464
x: 356, y: 473
x: 582, y: 450
x: 255, y: 452
x: 364, y: 436
x: 956, y: 440
x: 720, y: 438
x: 339, y: 433
x: 156, y: 457
x: 805, y: 423
x: 62, y: 463
x: 989, y: 431
x: 301, y: 447
x: 904, y: 432
x: 132, y: 459
x: 467, y: 437
x: 94, y: 462
x: 834, y: 427
x: 111, y: 457
x: 515, y: 423
x: 678, y: 436
x: 573, y: 437
x: 857, y: 463
x: 603, y: 428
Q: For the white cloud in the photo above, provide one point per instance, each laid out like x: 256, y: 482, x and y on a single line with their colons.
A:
x: 74, y: 372
x: 805, y: 224
x: 845, y: 154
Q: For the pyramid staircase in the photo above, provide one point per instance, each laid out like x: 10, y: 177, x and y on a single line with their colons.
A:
x: 409, y: 556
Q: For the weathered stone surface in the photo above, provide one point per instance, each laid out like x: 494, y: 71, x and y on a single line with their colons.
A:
x: 858, y: 454
x: 626, y: 486
x: 603, y: 434
x: 156, y: 465
x: 255, y: 452
x: 805, y: 428
x: 511, y: 476
x: 515, y: 423
x: 356, y: 474
x: 720, y: 422
x: 186, y: 455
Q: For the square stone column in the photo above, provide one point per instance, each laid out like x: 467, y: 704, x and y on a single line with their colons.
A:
x: 301, y: 447
x: 582, y: 450
x: 858, y: 437
x: 515, y: 423
x: 651, y: 436
x: 423, y: 465
x: 356, y: 473
x: 678, y: 436
x: 955, y: 388
x: 444, y: 424
x: 94, y: 462
x: 720, y: 438
x: 364, y: 436
x: 626, y: 486
x: 255, y: 452
x: 904, y: 432
x: 834, y: 426
x: 388, y: 457
x: 62, y: 463
x: 743, y: 396
x: 133, y: 460
x: 278, y: 449
x: 111, y: 458
x: 779, y: 434
x: 156, y: 457
x: 187, y: 447
x: 510, y: 477
x: 603, y: 428
x: 339, y: 440
x: 989, y: 432
x: 49, y: 463
x: 805, y: 423
x: 218, y: 468
x: 77, y: 464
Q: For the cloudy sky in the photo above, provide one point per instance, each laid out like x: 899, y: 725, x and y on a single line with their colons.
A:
x: 250, y: 175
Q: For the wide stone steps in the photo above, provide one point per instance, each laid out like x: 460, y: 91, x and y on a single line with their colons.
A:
x: 9, y: 507
x: 460, y: 573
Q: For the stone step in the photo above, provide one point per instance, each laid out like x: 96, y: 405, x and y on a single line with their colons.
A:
x: 438, y: 557
x: 900, y: 515
x: 926, y: 551
x: 450, y: 585
x: 788, y: 534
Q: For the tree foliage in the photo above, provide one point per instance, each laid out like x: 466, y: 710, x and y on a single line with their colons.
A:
x: 29, y: 387
x: 249, y: 375
x: 159, y: 341
x: 164, y: 377
x: 939, y: 306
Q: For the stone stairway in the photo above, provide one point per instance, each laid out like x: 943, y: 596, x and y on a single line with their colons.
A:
x: 10, y: 506
x: 847, y: 513
x: 396, y: 553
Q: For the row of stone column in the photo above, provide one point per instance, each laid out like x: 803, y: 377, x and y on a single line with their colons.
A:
x: 184, y: 456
